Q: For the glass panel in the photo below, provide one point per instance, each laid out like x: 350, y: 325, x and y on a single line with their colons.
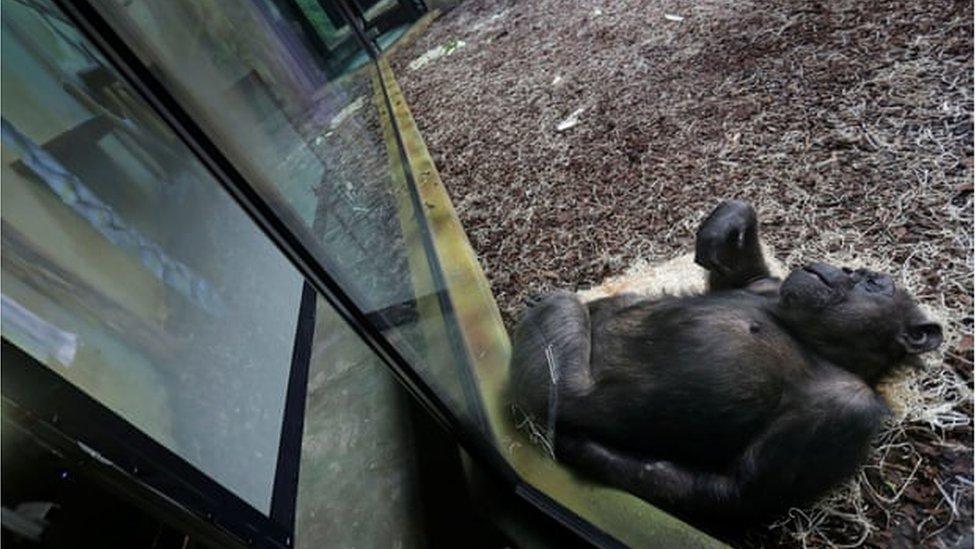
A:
x: 320, y: 150
x: 125, y: 267
x: 358, y: 484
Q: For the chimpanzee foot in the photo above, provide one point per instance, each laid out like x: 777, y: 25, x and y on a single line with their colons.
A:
x: 723, y: 238
x: 727, y: 245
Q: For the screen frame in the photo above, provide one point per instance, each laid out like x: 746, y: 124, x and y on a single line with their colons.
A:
x: 42, y: 401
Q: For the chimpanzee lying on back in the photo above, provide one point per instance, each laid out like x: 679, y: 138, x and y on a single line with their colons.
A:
x: 726, y: 406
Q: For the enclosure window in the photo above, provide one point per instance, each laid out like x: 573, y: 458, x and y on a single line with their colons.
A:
x: 320, y: 149
x: 126, y: 268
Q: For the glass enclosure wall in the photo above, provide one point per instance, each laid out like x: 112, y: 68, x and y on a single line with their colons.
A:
x: 319, y: 149
x: 359, y: 480
x: 128, y: 271
x: 126, y: 268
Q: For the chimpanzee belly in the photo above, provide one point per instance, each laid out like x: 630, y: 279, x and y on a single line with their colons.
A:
x: 701, y: 380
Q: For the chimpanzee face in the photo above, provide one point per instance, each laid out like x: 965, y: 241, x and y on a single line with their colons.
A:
x: 856, y: 318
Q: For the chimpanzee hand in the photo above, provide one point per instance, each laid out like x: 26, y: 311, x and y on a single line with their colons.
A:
x: 727, y: 245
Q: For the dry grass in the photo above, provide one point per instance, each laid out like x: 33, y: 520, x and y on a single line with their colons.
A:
x: 847, y: 124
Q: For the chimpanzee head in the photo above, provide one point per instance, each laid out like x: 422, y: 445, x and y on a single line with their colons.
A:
x: 857, y: 319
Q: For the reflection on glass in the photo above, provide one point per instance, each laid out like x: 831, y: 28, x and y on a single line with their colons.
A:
x: 386, y: 20
x: 359, y: 483
x: 125, y: 267
x: 318, y: 148
x: 330, y: 35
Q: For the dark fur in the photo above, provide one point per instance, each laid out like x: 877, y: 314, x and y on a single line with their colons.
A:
x: 724, y: 406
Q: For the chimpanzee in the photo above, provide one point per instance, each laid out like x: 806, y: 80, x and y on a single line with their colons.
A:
x: 723, y: 407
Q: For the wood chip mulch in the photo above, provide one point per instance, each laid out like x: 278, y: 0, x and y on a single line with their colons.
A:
x: 848, y: 124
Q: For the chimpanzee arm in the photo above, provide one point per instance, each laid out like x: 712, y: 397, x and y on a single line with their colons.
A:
x: 727, y: 245
x: 820, y: 439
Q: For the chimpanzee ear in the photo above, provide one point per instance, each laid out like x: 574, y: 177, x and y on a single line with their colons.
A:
x: 921, y: 338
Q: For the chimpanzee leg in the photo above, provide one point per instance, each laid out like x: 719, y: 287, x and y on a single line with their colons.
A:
x: 812, y: 446
x: 678, y: 490
x: 551, y: 354
x: 727, y: 245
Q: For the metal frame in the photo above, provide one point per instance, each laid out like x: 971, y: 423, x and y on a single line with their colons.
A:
x: 75, y: 424
x: 153, y: 467
x: 285, y: 490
